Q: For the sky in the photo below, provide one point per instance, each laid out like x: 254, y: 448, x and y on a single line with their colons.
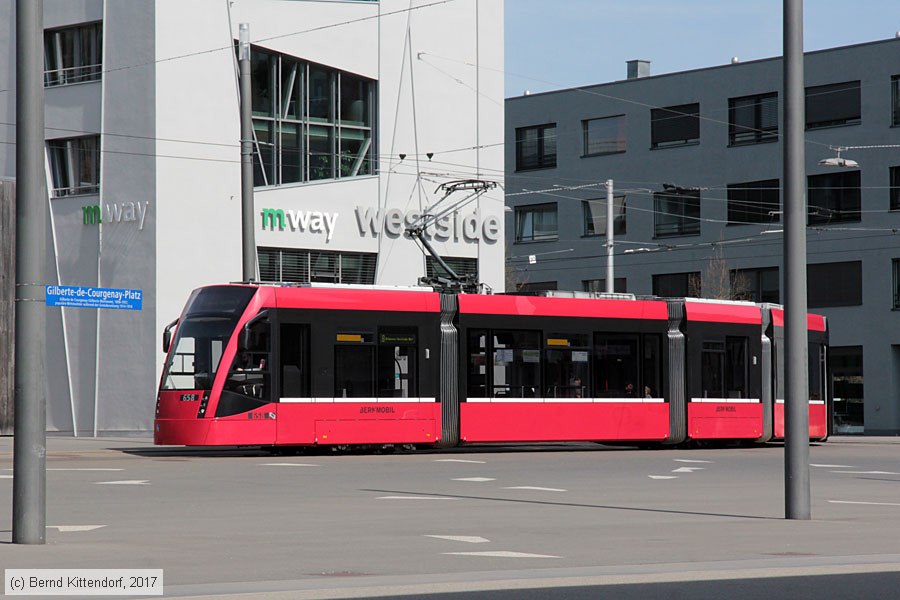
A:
x: 566, y: 43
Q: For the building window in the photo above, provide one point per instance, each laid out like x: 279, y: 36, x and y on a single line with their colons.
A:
x: 309, y: 122
x: 73, y: 54
x: 895, y: 188
x: 675, y: 126
x: 753, y: 119
x: 895, y: 101
x: 834, y: 198
x: 847, y: 383
x: 464, y: 267
x: 756, y: 285
x: 604, y: 136
x: 832, y: 105
x: 75, y: 166
x: 536, y: 147
x: 599, y: 285
x: 677, y: 285
x: 305, y: 266
x: 754, y: 202
x: 536, y: 223
x: 595, y: 216
x: 676, y: 213
x: 834, y: 284
x: 896, y: 285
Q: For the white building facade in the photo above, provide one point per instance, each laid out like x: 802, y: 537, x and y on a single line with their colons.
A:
x: 361, y: 111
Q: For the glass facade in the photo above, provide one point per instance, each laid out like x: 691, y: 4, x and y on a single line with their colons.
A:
x: 309, y: 122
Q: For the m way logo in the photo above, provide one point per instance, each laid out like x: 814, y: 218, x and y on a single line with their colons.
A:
x: 313, y: 221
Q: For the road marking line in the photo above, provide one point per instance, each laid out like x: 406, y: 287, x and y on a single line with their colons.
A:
x: 415, y: 498
x: 868, y: 472
x: 6, y: 476
x: 503, y: 554
x: 84, y: 469
x: 477, y: 479
x: 867, y: 503
x: 662, y: 476
x: 288, y: 465
x: 125, y: 482
x: 687, y: 469
x: 469, y: 539
x: 460, y: 460
x: 70, y: 528
x: 531, y: 487
x: 686, y: 460
x: 832, y: 466
x: 78, y: 469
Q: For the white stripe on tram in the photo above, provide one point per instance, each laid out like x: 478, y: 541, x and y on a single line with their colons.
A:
x: 727, y: 400
x: 357, y: 400
x: 567, y: 400
x: 781, y: 401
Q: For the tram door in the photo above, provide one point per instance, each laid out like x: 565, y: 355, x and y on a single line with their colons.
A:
x: 295, y: 420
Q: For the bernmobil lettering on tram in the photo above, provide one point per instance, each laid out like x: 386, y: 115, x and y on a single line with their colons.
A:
x: 376, y: 409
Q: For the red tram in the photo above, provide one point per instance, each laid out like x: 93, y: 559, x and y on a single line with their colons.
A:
x: 306, y: 365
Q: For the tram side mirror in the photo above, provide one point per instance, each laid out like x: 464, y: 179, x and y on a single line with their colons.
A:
x: 167, y: 336
x: 245, y: 339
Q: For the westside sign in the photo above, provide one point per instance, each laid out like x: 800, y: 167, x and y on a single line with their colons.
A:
x: 393, y: 223
x: 90, y: 297
x: 469, y: 228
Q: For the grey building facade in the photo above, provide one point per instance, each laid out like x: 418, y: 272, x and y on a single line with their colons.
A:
x: 696, y: 161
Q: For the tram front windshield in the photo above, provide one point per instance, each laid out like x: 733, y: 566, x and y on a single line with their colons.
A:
x: 208, y: 323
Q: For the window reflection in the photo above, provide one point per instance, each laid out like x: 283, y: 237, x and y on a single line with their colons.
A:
x: 310, y: 122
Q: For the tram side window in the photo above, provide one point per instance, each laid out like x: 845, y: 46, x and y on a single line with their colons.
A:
x: 816, y: 354
x: 477, y: 364
x: 249, y: 373
x: 778, y: 362
x: 397, y: 372
x: 651, y: 369
x: 712, y: 367
x: 294, y: 360
x: 736, y: 373
x: 616, y: 361
x: 516, y: 363
x: 723, y: 368
x: 354, y: 365
x: 567, y: 366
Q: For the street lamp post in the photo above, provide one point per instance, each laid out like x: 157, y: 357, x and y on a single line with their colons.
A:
x: 796, y: 402
x: 248, y: 235
x: 609, y: 238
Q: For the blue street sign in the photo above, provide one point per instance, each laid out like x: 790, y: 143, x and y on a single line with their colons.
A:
x: 77, y: 296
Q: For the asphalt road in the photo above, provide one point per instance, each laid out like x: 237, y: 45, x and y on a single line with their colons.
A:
x: 547, y: 521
